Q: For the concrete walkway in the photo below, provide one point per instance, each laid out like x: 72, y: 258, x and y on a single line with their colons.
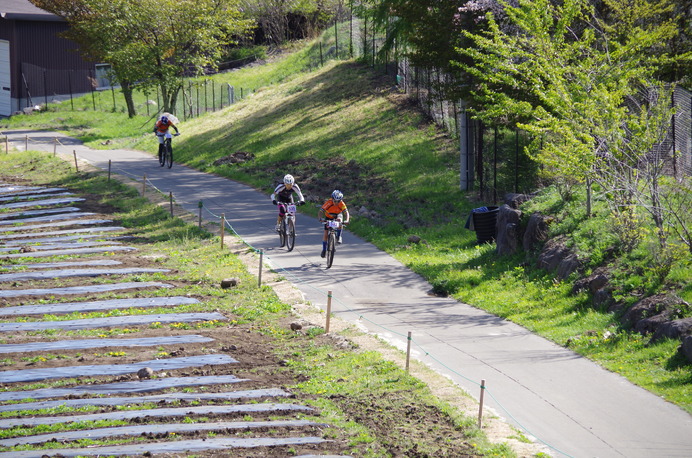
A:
x: 563, y: 400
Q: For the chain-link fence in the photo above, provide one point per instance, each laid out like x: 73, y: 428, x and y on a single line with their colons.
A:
x: 680, y: 149
x: 492, y: 160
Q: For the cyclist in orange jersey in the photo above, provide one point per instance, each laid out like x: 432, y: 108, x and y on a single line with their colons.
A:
x: 333, y: 208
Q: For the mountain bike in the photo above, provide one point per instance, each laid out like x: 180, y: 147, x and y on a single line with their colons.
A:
x: 287, y: 228
x: 166, y: 152
x: 332, y: 226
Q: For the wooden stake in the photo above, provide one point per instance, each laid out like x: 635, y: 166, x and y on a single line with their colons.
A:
x: 170, y: 198
x: 223, y: 227
x: 200, y: 205
x: 144, y: 184
x: 76, y: 167
x: 55, y: 146
x: 408, y: 350
x: 26, y: 143
x: 480, y: 407
x: 7, y: 145
x: 109, y: 170
x: 329, y: 311
x: 259, y: 277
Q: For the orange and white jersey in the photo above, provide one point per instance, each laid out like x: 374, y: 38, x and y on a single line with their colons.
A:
x: 162, y: 127
x: 333, y: 209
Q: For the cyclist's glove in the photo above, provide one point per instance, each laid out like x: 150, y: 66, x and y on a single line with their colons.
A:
x: 274, y: 202
x: 302, y: 202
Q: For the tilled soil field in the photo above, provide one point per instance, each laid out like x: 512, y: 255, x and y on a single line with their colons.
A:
x: 44, y: 365
x: 87, y: 370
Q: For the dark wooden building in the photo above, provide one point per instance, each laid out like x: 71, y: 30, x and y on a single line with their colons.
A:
x: 37, y: 65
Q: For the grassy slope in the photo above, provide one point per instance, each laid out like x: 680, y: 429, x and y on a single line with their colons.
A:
x: 381, y: 411
x: 341, y: 126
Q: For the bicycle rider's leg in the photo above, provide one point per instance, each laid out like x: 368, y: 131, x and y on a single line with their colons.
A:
x: 159, y: 137
x: 280, y: 216
x: 169, y: 137
x: 338, y: 231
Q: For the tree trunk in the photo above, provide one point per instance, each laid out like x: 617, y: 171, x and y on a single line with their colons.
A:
x: 171, y: 99
x: 657, y: 212
x: 127, y: 93
x: 480, y: 162
x: 589, y: 184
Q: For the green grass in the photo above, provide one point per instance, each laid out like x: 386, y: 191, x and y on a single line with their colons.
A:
x: 200, y: 264
x: 343, y: 126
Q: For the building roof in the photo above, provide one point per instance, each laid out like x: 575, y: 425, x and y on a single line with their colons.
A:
x: 24, y: 10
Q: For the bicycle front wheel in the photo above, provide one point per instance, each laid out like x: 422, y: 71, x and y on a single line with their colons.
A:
x: 290, y: 234
x: 169, y: 155
x: 282, y: 233
x: 331, y: 249
x: 162, y: 154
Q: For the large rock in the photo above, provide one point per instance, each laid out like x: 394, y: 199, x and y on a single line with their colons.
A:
x: 536, y: 231
x: 594, y: 282
x: 603, y: 299
x: 649, y: 307
x: 676, y: 329
x: 515, y: 200
x: 686, y: 348
x: 507, y: 239
x: 556, y: 257
x: 651, y: 325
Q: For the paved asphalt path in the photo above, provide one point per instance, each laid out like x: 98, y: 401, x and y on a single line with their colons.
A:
x: 566, y: 402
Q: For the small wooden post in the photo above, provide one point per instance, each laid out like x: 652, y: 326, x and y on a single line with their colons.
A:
x: 144, y: 184
x: 109, y: 170
x: 408, y: 350
x: 7, y: 145
x: 261, y: 261
x: 26, y: 143
x: 223, y: 227
x: 76, y: 167
x: 200, y: 205
x: 480, y: 407
x: 170, y: 198
x: 55, y: 146
x: 329, y: 312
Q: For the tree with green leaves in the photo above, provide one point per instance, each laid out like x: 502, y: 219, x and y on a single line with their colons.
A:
x: 426, y: 32
x: 152, y: 43
x: 279, y: 21
x: 577, y: 84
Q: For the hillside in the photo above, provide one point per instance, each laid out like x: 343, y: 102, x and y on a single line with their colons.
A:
x: 344, y: 126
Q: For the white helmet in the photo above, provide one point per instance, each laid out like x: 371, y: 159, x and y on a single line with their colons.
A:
x: 288, y: 179
x: 337, y: 196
